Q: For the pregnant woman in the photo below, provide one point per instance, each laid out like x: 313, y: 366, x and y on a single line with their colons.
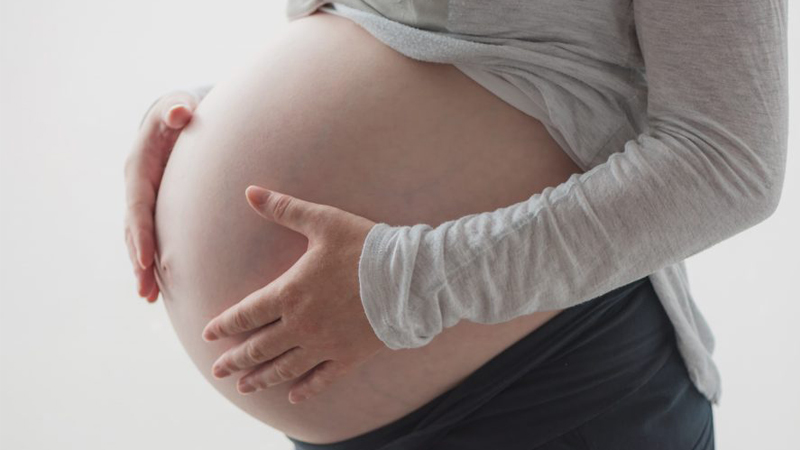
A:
x: 474, y: 222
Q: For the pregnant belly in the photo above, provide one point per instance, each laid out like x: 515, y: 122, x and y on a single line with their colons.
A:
x: 329, y: 114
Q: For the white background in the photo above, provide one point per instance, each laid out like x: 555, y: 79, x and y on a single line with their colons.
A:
x: 85, y: 363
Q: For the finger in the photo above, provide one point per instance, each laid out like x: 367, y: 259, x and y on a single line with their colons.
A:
x: 153, y: 295
x: 144, y: 167
x: 131, y: 248
x: 143, y: 239
x: 288, y: 366
x: 257, y: 309
x: 299, y: 215
x: 317, y: 381
x: 141, y: 198
x: 137, y: 270
x: 144, y: 278
x: 146, y: 282
x: 143, y: 172
x: 163, y: 124
x: 143, y: 231
x: 157, y: 137
x: 155, y: 289
x: 177, y: 116
x: 160, y: 109
x: 263, y: 345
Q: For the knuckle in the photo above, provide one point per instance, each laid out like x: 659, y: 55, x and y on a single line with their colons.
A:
x: 324, y: 214
x: 259, y: 307
x: 262, y: 382
x: 281, y: 206
x: 255, y: 381
x: 283, y: 369
x: 219, y: 329
x: 241, y: 321
x: 286, y: 297
x: 140, y: 206
x: 128, y: 166
x: 287, y: 292
x: 253, y: 352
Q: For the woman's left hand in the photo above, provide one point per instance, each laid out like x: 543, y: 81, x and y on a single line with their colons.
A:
x: 310, y: 320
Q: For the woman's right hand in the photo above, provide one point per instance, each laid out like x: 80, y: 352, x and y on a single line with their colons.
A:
x: 144, y: 168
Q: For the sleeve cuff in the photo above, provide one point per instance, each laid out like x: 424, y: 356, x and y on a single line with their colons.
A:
x: 385, y: 286
x: 374, y: 285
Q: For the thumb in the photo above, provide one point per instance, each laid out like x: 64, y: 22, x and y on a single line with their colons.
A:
x: 299, y: 215
x: 177, y: 108
x: 178, y: 115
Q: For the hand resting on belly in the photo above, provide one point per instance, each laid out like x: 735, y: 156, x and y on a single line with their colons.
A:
x: 328, y: 114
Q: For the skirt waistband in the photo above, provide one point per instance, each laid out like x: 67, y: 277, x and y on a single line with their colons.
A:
x: 557, y: 377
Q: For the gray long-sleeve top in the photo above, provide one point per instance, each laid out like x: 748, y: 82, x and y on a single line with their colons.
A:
x: 676, y: 109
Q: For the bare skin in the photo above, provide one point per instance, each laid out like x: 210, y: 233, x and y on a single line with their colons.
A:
x: 366, y: 130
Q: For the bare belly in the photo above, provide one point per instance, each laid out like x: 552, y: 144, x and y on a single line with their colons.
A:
x: 329, y: 114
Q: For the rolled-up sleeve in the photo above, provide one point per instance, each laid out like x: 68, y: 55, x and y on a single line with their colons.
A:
x: 710, y: 165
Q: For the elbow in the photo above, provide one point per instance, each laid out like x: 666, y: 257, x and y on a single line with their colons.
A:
x: 762, y: 171
x: 768, y: 197
x: 756, y: 206
x: 775, y: 179
x: 775, y: 169
x: 772, y: 198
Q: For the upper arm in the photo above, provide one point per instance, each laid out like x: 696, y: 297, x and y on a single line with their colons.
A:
x: 717, y: 83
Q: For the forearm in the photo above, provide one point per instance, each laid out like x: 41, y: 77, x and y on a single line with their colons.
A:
x: 710, y: 165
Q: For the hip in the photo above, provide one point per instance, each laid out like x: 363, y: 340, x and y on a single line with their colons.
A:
x: 667, y: 412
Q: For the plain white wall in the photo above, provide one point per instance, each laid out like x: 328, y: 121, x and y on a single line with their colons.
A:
x: 85, y: 363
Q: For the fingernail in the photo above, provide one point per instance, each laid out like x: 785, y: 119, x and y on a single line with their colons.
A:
x: 209, y: 335
x: 260, y: 195
x: 175, y: 107
x: 221, y: 372
x: 246, y: 388
x: 296, y: 398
